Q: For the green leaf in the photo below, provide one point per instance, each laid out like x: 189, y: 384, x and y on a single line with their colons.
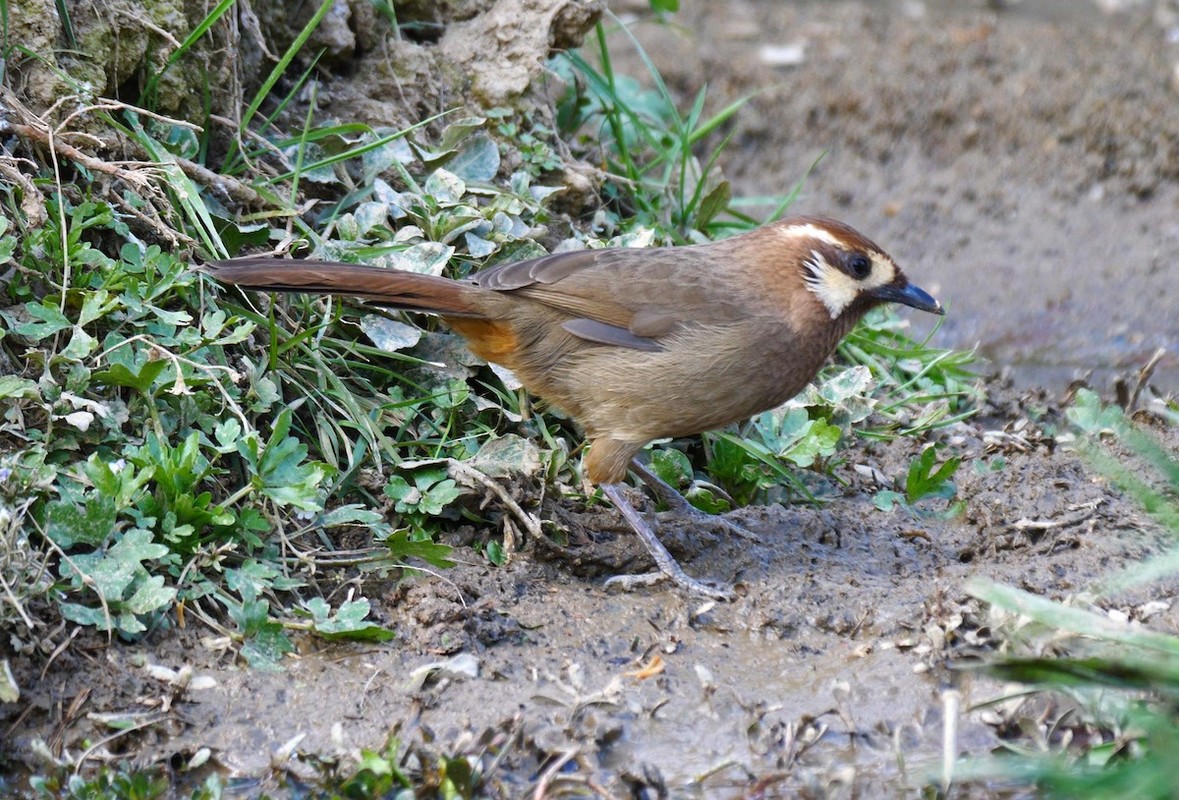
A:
x: 51, y: 321
x: 176, y: 318
x: 494, y: 551
x: 706, y: 500
x: 265, y: 650
x: 714, y: 203
x: 236, y: 235
x: 453, y: 135
x: 150, y: 595
x: 388, y: 334
x: 265, y: 640
x: 121, y: 485
x: 478, y: 247
x: 402, y: 547
x: 428, y: 258
x: 67, y: 524
x: 285, y: 478
x: 347, y: 623
x: 508, y: 456
x: 926, y: 478
x: 818, y: 440
x: 85, y: 615
x: 7, y: 248
x: 398, y: 489
x: 111, y: 576
x: 439, y: 497
x: 672, y: 466
x: 95, y: 305
x: 142, y: 379
x: 250, y: 580
x: 477, y: 160
x: 241, y: 331
x: 81, y: 344
x: 136, y: 546
x: 352, y: 514
x: 252, y: 615
x: 266, y: 390
x: 227, y: 433
x: 380, y: 158
x: 1088, y: 414
x: 887, y: 500
x: 17, y: 388
x: 429, y: 495
x: 445, y: 187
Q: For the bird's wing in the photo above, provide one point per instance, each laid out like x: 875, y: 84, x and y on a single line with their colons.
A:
x: 628, y: 297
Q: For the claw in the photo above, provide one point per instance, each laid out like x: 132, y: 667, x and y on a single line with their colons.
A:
x: 669, y: 569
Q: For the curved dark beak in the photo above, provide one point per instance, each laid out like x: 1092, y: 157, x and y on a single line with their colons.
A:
x: 909, y: 295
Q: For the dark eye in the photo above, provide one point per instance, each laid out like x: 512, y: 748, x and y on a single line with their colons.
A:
x: 859, y: 265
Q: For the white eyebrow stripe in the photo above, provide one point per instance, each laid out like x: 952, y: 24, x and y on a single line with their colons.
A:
x: 809, y: 230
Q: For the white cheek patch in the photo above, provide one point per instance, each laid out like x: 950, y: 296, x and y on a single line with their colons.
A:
x: 833, y: 288
x: 836, y: 289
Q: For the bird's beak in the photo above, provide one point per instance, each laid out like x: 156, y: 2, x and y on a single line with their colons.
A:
x: 909, y: 295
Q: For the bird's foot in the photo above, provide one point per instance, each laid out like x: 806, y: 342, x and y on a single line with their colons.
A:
x: 669, y: 568
x: 629, y: 583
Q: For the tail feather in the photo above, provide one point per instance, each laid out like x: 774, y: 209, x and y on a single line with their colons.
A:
x: 392, y: 288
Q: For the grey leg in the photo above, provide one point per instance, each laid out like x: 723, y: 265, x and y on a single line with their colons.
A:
x: 668, y: 568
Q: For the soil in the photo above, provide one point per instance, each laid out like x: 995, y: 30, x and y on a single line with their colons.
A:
x: 1023, y: 164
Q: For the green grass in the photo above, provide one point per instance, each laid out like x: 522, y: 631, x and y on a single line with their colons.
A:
x: 1111, y: 684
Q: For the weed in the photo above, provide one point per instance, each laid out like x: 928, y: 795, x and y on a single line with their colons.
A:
x: 425, y: 499
x: 648, y: 145
x: 1121, y: 677
x: 926, y: 478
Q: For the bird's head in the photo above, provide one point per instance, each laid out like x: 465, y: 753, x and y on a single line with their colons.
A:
x: 847, y: 273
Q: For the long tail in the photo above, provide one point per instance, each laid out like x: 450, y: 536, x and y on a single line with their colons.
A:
x: 391, y: 288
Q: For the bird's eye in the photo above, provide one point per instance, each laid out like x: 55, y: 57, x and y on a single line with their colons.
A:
x: 859, y: 265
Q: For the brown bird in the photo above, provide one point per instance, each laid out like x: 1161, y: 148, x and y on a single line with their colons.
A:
x: 643, y: 344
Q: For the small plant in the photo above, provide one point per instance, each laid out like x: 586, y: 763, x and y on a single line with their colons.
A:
x: 648, y: 146
x: 127, y: 591
x: 925, y: 479
x: 918, y: 388
x: 1121, y: 678
x: 425, y: 499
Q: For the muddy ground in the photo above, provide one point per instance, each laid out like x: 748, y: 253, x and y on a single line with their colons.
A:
x: 1022, y: 164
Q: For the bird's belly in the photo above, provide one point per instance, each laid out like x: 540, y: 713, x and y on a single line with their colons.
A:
x: 692, y: 386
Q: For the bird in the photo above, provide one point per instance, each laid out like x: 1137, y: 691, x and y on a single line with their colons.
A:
x: 639, y: 344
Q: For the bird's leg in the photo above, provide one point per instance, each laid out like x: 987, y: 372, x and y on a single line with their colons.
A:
x: 668, y: 568
x: 678, y: 504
